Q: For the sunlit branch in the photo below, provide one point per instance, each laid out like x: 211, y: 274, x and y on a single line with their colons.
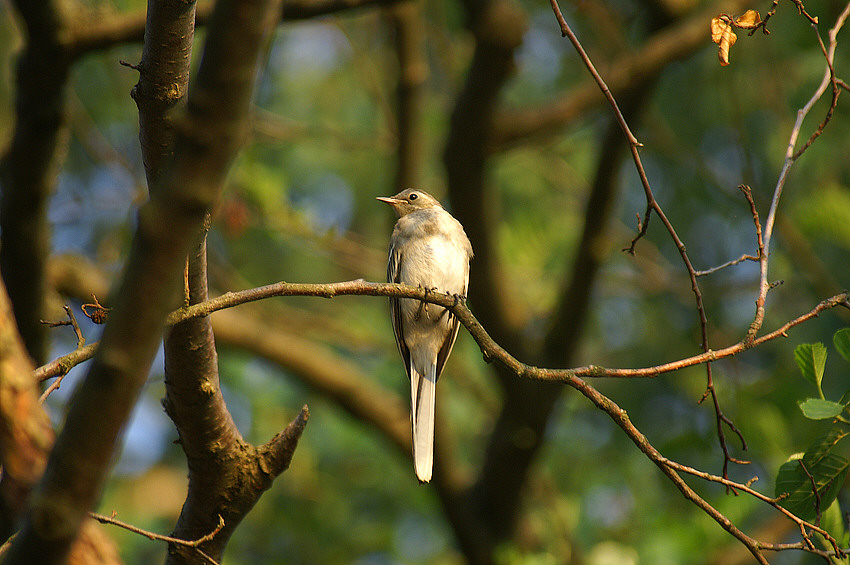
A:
x: 493, y: 351
x: 774, y: 502
x: 790, y: 158
x: 489, y: 348
x: 193, y: 544
x: 653, y: 205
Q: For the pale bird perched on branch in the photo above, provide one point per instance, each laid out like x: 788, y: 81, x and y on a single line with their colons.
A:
x: 428, y: 249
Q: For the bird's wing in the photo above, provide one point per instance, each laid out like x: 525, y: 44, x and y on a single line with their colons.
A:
x: 446, y: 347
x: 449, y: 342
x: 393, y: 276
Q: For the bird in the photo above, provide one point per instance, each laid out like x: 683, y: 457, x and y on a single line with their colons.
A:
x: 428, y: 249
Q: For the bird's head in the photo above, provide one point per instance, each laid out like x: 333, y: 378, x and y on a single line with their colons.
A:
x: 410, y: 200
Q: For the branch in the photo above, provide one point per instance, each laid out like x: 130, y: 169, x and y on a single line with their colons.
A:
x: 407, y: 23
x: 208, y: 138
x: 677, y: 41
x: 102, y: 33
x: 193, y: 544
x: 163, y: 80
x: 489, y: 347
x: 791, y: 157
x: 774, y: 502
x: 227, y: 476
x: 652, y: 205
x: 26, y: 433
x: 361, y: 403
x: 28, y: 168
x: 619, y: 416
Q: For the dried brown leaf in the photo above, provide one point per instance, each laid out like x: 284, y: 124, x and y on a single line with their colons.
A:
x: 722, y: 34
x: 718, y: 24
x: 748, y: 20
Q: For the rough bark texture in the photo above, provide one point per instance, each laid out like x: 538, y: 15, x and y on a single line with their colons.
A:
x: 227, y: 475
x: 163, y: 79
x: 26, y: 433
x: 208, y: 137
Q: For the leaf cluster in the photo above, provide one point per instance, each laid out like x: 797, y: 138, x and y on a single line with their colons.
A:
x: 808, y: 483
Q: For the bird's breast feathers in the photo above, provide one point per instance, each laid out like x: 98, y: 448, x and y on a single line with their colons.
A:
x: 435, y: 262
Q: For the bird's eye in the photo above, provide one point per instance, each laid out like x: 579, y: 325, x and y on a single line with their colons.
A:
x: 413, y: 197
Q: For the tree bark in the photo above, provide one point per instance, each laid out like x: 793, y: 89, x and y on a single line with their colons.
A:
x: 208, y: 138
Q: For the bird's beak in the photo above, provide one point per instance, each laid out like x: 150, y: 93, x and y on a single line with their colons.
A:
x: 389, y: 200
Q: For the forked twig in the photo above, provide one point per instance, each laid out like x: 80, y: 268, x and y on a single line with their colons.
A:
x: 763, y: 237
x: 191, y: 544
x: 653, y: 205
x: 791, y: 157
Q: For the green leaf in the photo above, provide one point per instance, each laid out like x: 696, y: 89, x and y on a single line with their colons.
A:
x: 811, y: 358
x: 820, y: 409
x: 818, y: 464
x: 832, y: 521
x: 841, y: 339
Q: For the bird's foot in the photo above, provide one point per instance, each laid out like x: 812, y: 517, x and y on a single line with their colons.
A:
x: 423, y: 306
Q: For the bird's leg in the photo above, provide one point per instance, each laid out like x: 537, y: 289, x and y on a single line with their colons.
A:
x: 423, y: 306
x: 457, y: 298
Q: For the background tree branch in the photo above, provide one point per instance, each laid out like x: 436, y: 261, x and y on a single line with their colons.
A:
x: 208, y: 137
x: 28, y: 167
x: 302, y: 210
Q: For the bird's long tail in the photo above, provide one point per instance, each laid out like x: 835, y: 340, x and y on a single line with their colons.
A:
x: 422, y: 399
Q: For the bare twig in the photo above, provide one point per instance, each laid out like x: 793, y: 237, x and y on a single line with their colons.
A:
x: 491, y: 349
x: 772, y: 12
x: 748, y: 194
x: 653, y: 205
x: 728, y: 264
x: 829, y: 75
x: 774, y: 502
x: 193, y: 544
x: 814, y: 490
x: 71, y: 321
x: 790, y: 158
x: 81, y: 342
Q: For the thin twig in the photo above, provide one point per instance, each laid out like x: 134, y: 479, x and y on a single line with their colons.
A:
x: 653, y: 205
x: 81, y: 341
x: 814, y: 490
x: 790, y: 158
x: 488, y: 346
x: 99, y: 312
x: 748, y: 194
x: 774, y: 502
x: 829, y: 54
x: 726, y: 265
x: 71, y: 321
x: 192, y: 544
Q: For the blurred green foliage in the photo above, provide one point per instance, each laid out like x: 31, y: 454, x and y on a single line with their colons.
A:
x: 300, y: 207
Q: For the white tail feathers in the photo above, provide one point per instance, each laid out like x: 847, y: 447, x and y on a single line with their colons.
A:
x: 423, y: 390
